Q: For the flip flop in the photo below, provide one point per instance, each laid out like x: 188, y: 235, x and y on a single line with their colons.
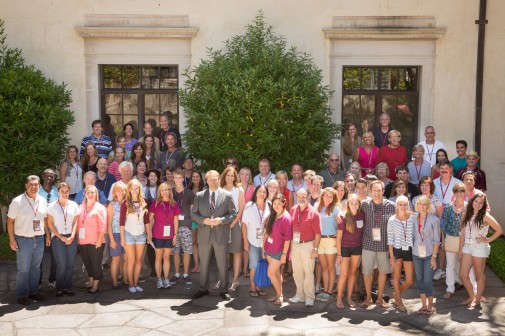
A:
x: 261, y: 292
x: 467, y: 301
x: 246, y: 275
x: 340, y: 305
x: 383, y: 304
x: 422, y: 311
x: 365, y: 304
x: 429, y: 312
x: 351, y: 304
x: 272, y: 299
x: 279, y: 301
x: 447, y: 295
x: 253, y: 293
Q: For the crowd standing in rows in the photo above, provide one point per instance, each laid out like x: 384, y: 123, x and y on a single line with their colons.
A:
x: 370, y: 213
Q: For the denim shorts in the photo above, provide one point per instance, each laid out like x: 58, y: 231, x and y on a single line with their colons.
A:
x: 119, y: 250
x: 163, y: 243
x: 132, y: 239
x: 254, y: 256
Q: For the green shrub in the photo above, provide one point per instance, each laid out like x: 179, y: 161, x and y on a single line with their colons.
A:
x: 34, y: 118
x: 5, y: 250
x: 258, y: 98
x: 496, y: 260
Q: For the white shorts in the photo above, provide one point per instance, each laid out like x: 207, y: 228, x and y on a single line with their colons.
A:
x: 477, y: 250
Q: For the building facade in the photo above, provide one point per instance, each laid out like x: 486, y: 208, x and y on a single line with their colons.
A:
x: 417, y: 59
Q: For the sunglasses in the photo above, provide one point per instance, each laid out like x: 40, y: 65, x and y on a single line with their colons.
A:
x: 459, y: 190
x: 229, y: 163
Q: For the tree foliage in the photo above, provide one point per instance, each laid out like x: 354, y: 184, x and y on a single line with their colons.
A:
x: 34, y: 117
x: 258, y: 98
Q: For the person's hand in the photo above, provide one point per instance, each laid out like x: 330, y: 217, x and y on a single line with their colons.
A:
x: 433, y: 263
x: 339, y: 259
x: 283, y: 259
x: 69, y: 240
x: 246, y: 246
x: 98, y: 244
x: 313, y: 254
x: 392, y: 261
x: 14, y: 245
x: 123, y: 242
x: 340, y: 217
x: 207, y: 221
x: 48, y: 241
x: 113, y: 244
x: 460, y: 255
x: 482, y: 239
x: 175, y: 240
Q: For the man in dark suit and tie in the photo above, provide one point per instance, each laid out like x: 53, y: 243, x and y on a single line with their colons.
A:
x: 214, y: 211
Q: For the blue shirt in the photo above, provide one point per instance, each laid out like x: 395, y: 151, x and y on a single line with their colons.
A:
x: 328, y: 222
x: 51, y: 196
x: 429, y: 235
x: 79, y: 198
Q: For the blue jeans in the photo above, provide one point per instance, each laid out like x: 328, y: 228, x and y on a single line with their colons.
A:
x: 64, y: 255
x: 29, y: 255
x: 424, y: 275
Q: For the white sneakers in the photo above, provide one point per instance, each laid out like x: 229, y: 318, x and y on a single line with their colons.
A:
x: 439, y: 274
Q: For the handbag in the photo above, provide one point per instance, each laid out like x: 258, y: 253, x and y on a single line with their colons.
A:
x: 261, y: 278
x: 451, y: 244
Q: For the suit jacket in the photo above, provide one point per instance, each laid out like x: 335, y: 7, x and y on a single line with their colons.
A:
x: 225, y: 209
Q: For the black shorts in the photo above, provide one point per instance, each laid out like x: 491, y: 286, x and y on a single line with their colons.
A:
x: 349, y: 251
x: 163, y: 243
x: 406, y: 255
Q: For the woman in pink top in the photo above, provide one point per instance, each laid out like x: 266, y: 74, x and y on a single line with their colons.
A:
x: 276, y: 243
x: 164, y: 222
x: 133, y: 225
x: 114, y: 165
x: 92, y: 225
x: 366, y: 155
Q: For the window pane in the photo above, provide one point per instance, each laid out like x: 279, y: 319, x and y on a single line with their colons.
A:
x: 130, y: 102
x: 150, y: 77
x: 113, y: 104
x: 169, y: 78
x: 112, y: 76
x: 351, y: 79
x: 369, y: 78
x: 169, y: 102
x: 389, y: 79
x: 404, y: 114
x: 359, y: 109
x: 116, y: 123
x: 151, y: 104
x: 130, y: 77
x: 409, y: 79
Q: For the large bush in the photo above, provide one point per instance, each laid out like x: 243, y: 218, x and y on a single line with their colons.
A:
x: 34, y: 117
x: 258, y: 98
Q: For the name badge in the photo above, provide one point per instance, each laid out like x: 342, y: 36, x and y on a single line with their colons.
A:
x: 166, y: 231
x: 421, y: 250
x: 82, y: 233
x: 350, y: 160
x: 36, y: 225
x: 260, y: 232
x: 296, y: 237
x: 270, y: 240
x: 359, y: 224
x: 405, y: 248
x: 376, y: 234
x: 181, y: 217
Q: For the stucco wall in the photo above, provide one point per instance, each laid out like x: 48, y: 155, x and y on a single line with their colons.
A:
x: 45, y: 31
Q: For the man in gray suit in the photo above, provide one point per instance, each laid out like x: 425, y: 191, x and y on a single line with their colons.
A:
x: 214, y: 211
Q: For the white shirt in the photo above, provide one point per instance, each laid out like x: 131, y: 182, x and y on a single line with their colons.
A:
x: 295, y: 187
x: 254, y: 219
x: 444, y: 191
x: 63, y: 217
x: 430, y: 151
x: 262, y: 180
x: 24, y: 211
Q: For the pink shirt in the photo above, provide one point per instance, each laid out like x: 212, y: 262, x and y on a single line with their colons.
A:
x: 92, y: 222
x: 164, y: 215
x: 248, y: 192
x: 281, y: 232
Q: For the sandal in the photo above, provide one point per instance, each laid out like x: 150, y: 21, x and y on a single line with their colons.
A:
x: 351, y: 304
x: 253, y: 293
x: 403, y: 309
x: 382, y: 304
x: 261, y: 292
x: 234, y: 286
x: 422, y: 311
x: 217, y: 285
x: 447, y: 295
x: 246, y: 275
x: 272, y: 299
x: 365, y: 304
x: 279, y: 301
x: 429, y: 312
x: 467, y: 301
x: 483, y: 299
x: 340, y: 305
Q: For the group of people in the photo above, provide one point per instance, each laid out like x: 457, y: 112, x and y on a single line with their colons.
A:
x: 373, y: 214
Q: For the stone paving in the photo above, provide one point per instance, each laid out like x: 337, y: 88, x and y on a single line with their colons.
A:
x: 172, y: 312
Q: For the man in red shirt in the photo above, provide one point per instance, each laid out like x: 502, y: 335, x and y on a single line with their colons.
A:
x: 306, y: 235
x: 393, y: 154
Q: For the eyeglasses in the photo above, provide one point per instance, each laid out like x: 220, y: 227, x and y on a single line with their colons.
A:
x: 229, y: 163
x: 459, y: 190
x: 334, y: 160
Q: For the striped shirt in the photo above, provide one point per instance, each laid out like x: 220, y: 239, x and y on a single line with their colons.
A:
x: 376, y: 216
x: 103, y: 145
x: 400, y: 232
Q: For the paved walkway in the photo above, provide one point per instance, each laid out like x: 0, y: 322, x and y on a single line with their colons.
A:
x: 172, y: 312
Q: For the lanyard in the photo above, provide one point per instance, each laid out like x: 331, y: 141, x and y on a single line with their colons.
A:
x: 136, y: 207
x: 369, y: 156
x: 419, y: 226
x: 102, y: 182
x: 377, y: 218
x: 165, y: 212
x: 86, y: 212
x: 64, y: 210
x: 404, y: 229
x: 169, y: 157
x: 298, y: 222
x: 182, y: 198
x: 332, y: 179
x: 442, y: 189
x: 262, y: 213
x: 418, y: 172
x: 266, y: 179
x: 31, y: 206
x: 430, y: 153
x: 384, y: 138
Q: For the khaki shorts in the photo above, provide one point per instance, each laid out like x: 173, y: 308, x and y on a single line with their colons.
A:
x: 327, y: 246
x: 369, y: 259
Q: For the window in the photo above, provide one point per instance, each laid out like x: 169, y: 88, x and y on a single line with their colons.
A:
x: 368, y: 91
x: 137, y: 93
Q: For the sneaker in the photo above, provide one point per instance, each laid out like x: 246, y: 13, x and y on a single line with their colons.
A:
x: 187, y: 280
x: 309, y: 303
x: 319, y: 296
x: 142, y: 279
x: 323, y: 297
x: 296, y: 299
x: 318, y: 288
x: 37, y: 297
x: 132, y: 289
x: 159, y: 283
x: 174, y: 279
x: 166, y: 283
x: 439, y: 274
x: 139, y: 289
x: 51, y: 284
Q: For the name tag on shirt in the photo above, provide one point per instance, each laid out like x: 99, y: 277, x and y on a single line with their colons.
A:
x: 376, y: 234
x: 296, y: 237
x: 421, y: 250
x: 166, y: 231
x: 270, y: 240
x: 36, y: 225
x: 359, y: 224
x: 181, y: 217
x: 259, y: 233
x: 82, y: 233
x: 405, y: 248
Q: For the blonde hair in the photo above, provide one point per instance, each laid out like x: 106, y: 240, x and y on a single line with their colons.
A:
x: 117, y: 186
x: 350, y: 222
x: 331, y: 206
x: 129, y: 198
x: 424, y: 199
x: 159, y: 198
x: 96, y: 194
